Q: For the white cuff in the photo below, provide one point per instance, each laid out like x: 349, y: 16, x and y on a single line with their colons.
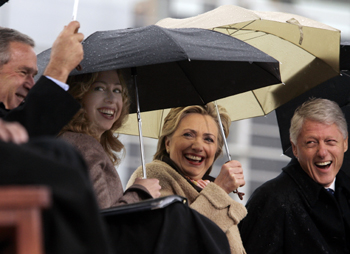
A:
x: 64, y: 86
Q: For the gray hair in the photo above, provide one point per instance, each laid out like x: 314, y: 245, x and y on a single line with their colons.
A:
x: 320, y: 110
x: 8, y: 35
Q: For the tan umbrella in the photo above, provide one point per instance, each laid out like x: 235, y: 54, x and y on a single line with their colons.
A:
x: 308, y: 52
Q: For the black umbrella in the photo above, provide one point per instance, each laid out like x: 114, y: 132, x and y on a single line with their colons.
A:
x: 176, y: 67
x: 336, y: 89
x: 344, y: 59
x: 3, y: 2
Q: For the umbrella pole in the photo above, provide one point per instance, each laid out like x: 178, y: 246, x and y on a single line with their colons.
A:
x: 223, y: 133
x: 134, y: 74
x: 75, y: 9
x: 240, y: 194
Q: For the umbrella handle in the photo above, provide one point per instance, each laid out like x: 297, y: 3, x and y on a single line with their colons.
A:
x: 134, y: 74
x: 75, y: 9
x: 222, y: 133
x: 240, y: 194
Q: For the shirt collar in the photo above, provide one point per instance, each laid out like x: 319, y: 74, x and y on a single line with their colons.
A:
x: 332, y: 186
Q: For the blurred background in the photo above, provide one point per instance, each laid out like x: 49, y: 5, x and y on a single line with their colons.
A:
x: 254, y: 142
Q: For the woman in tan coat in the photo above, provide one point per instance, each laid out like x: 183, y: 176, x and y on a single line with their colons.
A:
x: 105, y: 107
x: 189, y: 145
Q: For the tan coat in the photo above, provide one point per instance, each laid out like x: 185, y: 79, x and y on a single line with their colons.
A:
x: 212, y: 201
x: 104, y: 176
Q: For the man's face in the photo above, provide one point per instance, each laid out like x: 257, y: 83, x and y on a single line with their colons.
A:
x: 320, y: 151
x: 17, y: 76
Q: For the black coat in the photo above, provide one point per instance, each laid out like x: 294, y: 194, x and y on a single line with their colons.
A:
x: 293, y: 214
x: 72, y: 224
x: 47, y: 108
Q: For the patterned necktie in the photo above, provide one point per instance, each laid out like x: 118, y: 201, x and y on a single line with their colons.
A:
x: 330, y: 191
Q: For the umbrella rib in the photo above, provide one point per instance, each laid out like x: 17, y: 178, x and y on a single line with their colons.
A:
x: 262, y: 109
x: 237, y: 29
x: 344, y: 73
x: 177, y: 44
x: 200, y: 97
x: 161, y: 121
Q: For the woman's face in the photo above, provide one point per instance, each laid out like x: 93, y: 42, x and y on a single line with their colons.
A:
x: 103, y: 102
x: 193, y: 145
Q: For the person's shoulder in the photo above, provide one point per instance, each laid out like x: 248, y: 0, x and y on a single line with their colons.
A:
x: 76, y: 136
x: 82, y: 141
x: 157, y: 164
x: 277, y: 189
x: 278, y: 182
x: 158, y: 168
x: 343, y: 179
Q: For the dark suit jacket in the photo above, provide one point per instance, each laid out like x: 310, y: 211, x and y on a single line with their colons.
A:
x: 47, y: 108
x: 293, y: 214
x: 72, y: 224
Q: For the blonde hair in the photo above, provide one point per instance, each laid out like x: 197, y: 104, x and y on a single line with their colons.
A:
x: 79, y: 86
x: 172, y: 121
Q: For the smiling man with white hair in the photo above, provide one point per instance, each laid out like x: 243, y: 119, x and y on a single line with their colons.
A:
x: 306, y: 209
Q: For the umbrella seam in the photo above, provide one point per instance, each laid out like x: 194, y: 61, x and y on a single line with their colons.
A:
x: 199, y: 95
x: 239, y: 28
x: 177, y: 62
x: 262, y: 109
x: 163, y: 32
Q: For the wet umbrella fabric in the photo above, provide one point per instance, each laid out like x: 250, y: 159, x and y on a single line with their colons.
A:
x: 344, y: 61
x: 336, y: 89
x: 307, y: 50
x: 177, y: 67
x: 3, y: 2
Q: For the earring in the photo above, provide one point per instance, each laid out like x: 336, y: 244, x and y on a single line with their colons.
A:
x: 167, y: 150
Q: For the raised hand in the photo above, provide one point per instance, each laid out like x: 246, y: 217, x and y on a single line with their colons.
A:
x: 231, y: 176
x: 66, y: 52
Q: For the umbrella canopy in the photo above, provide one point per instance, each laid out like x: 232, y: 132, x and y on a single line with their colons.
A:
x: 153, y: 120
x: 307, y: 50
x: 336, y: 89
x: 3, y: 2
x: 177, y: 67
x: 344, y: 61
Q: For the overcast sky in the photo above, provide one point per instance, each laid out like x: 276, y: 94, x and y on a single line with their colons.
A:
x: 44, y: 19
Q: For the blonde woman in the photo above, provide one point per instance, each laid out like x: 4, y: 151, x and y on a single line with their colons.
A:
x: 105, y: 107
x: 189, y: 144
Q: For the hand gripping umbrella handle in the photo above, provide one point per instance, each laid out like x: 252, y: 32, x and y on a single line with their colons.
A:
x: 240, y: 194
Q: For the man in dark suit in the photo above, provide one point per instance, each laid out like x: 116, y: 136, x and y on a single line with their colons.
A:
x: 306, y: 209
x: 72, y: 224
x: 45, y: 108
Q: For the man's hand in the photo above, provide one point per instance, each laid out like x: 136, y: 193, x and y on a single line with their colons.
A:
x: 13, y: 132
x: 66, y: 52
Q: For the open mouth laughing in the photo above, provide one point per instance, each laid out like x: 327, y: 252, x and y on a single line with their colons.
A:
x: 108, y: 113
x: 194, y: 158
x: 323, y: 165
x: 21, y: 97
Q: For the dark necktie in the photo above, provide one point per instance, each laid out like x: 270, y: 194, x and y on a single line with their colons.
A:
x: 330, y: 191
